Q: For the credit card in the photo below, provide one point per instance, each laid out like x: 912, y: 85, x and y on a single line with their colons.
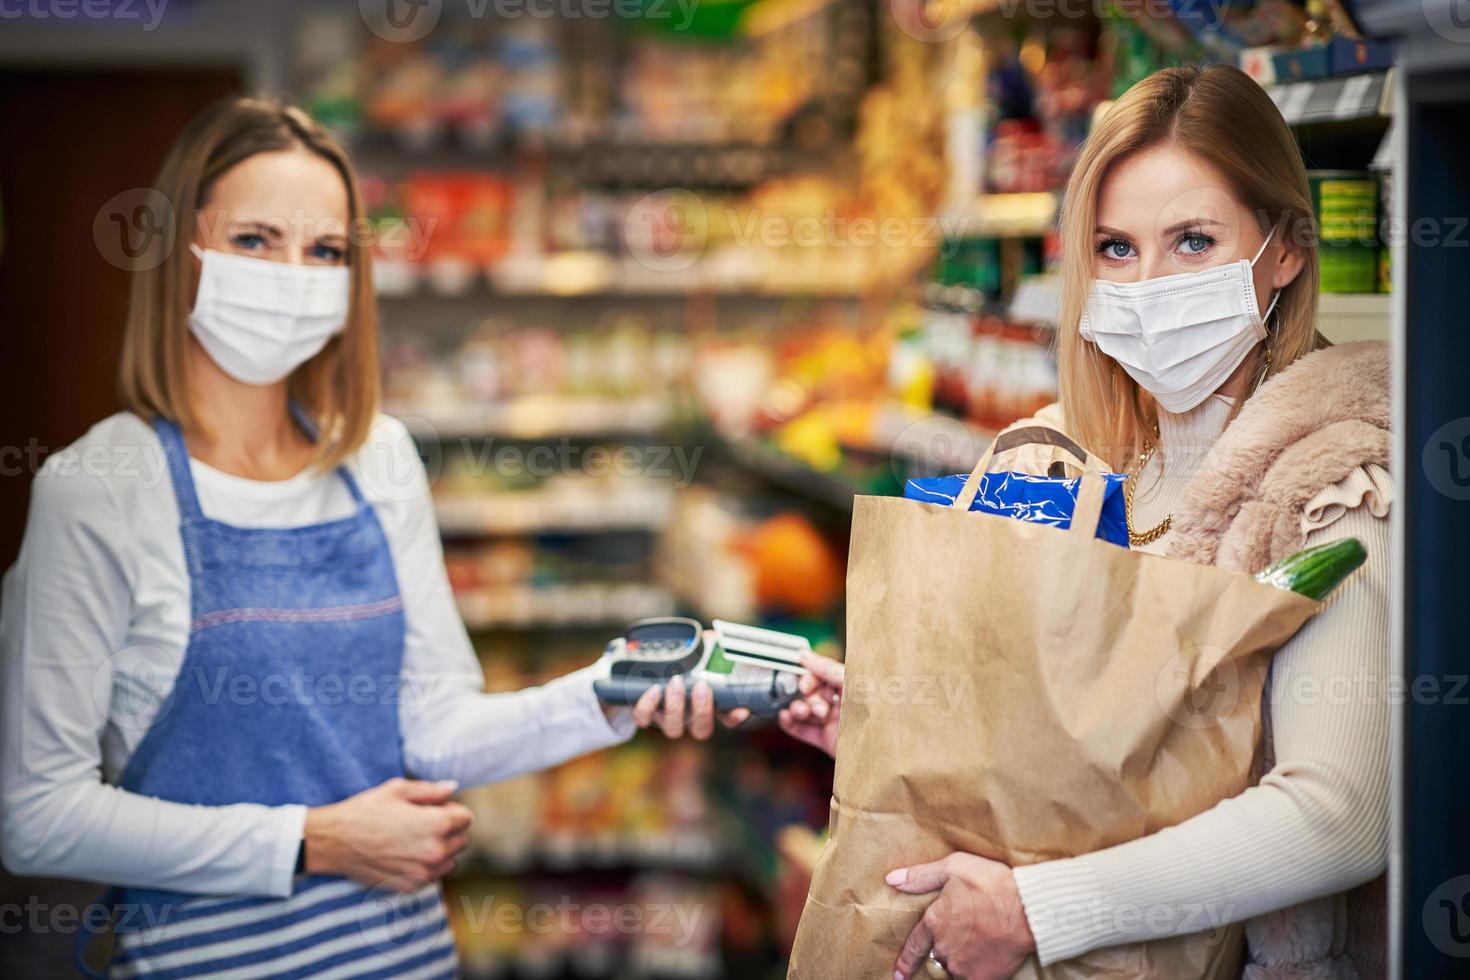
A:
x: 758, y: 647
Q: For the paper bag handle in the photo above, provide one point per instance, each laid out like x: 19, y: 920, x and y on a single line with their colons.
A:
x: 1090, y: 492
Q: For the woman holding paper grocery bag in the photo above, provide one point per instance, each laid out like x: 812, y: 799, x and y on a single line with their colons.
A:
x: 1189, y: 359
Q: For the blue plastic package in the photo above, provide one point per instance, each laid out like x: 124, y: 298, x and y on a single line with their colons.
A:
x: 1040, y: 499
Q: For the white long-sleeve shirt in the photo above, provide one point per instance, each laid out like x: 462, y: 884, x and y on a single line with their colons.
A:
x: 94, y: 622
x: 1317, y: 823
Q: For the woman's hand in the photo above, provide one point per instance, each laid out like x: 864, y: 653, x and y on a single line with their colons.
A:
x: 675, y: 713
x: 400, y: 835
x: 814, y: 716
x: 977, y: 926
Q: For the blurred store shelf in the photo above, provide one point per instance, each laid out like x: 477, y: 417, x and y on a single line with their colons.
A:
x: 536, y: 417
x: 630, y: 162
x: 1018, y: 215
x: 1343, y: 317
x: 829, y: 488
x: 932, y: 444
x: 690, y: 852
x: 1037, y: 300
x: 731, y: 271
x: 634, y: 505
x: 1336, y: 99
x: 523, y: 606
x: 956, y: 298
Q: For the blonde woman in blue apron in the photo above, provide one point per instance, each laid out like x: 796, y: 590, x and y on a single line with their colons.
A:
x: 236, y: 685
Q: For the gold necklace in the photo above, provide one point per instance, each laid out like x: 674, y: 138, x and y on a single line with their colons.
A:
x: 1137, y: 539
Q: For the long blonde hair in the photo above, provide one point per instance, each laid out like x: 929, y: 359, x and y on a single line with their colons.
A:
x: 1220, y: 115
x: 339, y: 387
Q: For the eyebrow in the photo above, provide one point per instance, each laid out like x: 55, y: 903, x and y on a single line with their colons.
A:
x: 1173, y: 229
x: 269, y: 228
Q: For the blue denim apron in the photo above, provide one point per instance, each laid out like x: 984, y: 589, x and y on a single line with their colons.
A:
x: 288, y: 694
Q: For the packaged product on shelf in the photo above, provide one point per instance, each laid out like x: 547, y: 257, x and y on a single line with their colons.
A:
x: 1346, y: 203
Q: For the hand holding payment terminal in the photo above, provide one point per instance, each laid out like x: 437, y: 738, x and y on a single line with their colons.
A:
x: 745, y: 667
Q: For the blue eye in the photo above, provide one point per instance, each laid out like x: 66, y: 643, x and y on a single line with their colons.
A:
x: 1115, y: 249
x: 327, y: 253
x: 247, y: 240
x: 1196, y: 243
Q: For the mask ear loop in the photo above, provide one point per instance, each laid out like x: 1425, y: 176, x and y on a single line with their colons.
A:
x: 1269, y: 235
x: 1266, y: 317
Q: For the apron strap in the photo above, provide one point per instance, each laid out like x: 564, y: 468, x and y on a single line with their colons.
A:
x: 177, y: 455
x: 313, y: 432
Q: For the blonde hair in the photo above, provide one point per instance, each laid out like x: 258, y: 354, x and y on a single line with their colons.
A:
x: 1220, y: 115
x: 339, y: 387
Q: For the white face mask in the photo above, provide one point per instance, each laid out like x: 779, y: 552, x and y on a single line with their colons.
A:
x: 261, y: 320
x: 1179, y: 336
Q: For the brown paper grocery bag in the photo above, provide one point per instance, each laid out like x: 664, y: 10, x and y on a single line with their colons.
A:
x: 1025, y: 693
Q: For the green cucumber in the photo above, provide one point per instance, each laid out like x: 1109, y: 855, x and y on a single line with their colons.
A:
x: 1314, y: 572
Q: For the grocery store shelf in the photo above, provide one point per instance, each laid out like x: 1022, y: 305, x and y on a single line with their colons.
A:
x: 1019, y: 215
x: 521, y: 607
x: 961, y: 299
x: 791, y: 474
x: 569, y: 275
x: 541, y: 417
x: 1343, y: 317
x: 1338, y: 99
x: 638, y: 508
x: 613, y: 160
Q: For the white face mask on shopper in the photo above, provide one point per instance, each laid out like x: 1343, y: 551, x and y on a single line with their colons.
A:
x: 261, y: 320
x: 1179, y: 336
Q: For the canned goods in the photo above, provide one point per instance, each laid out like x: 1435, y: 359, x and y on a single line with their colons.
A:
x: 1346, y: 204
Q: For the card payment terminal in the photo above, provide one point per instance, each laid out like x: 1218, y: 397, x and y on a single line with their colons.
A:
x: 744, y: 666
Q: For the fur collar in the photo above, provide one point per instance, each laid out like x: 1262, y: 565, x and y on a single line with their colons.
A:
x: 1305, y: 429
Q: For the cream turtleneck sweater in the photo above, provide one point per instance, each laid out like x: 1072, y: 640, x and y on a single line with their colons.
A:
x: 1317, y: 823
